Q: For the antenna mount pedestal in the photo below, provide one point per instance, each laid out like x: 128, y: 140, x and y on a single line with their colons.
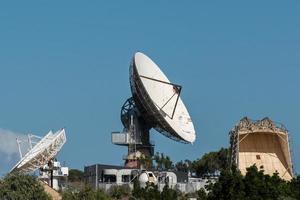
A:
x: 135, y: 135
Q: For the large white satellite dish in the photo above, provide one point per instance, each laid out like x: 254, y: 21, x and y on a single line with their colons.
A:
x: 159, y: 100
x: 155, y: 103
x: 43, y: 152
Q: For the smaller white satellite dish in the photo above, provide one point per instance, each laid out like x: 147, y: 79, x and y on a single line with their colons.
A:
x: 39, y: 155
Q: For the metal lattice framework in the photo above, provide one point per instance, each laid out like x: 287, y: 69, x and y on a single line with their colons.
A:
x: 43, y: 152
x: 263, y: 143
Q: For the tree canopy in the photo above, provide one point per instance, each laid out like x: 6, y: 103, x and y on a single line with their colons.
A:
x: 255, y: 185
x: 75, y: 175
x: 151, y: 192
x: 87, y: 193
x: 163, y: 162
x: 21, y: 186
x: 208, y: 164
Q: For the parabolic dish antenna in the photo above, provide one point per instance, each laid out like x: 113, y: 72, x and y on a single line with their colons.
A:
x: 43, y: 152
x: 159, y: 100
x: 155, y: 103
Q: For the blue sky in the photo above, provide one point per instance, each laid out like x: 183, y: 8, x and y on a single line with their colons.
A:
x: 65, y: 64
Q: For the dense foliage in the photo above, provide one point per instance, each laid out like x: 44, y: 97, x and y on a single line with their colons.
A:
x: 20, y: 186
x: 145, y: 162
x: 84, y: 194
x: 163, y: 162
x: 118, y: 192
x: 208, y: 164
x: 75, y: 175
x: 151, y: 192
x: 255, y: 185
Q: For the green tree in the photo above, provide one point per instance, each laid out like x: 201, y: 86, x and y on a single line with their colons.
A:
x: 84, y: 194
x: 163, y: 162
x: 211, y: 162
x: 158, y: 161
x: 168, y: 164
x: 201, y: 194
x: 261, y: 186
x: 21, y: 186
x: 230, y: 186
x: 137, y: 191
x: 145, y: 162
x: 294, y: 186
x: 151, y: 192
x: 255, y: 185
x: 101, y: 195
x: 184, y: 166
x: 119, y: 192
x: 75, y: 175
x: 169, y: 194
x: 70, y: 194
x: 223, y: 156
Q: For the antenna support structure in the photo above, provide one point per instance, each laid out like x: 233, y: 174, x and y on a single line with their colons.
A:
x: 155, y: 103
x: 135, y: 135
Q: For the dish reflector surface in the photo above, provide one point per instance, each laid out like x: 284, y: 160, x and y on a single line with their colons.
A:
x: 159, y: 100
x: 45, y: 150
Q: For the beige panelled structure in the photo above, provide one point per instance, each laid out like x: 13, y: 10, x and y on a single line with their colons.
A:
x: 264, y: 144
